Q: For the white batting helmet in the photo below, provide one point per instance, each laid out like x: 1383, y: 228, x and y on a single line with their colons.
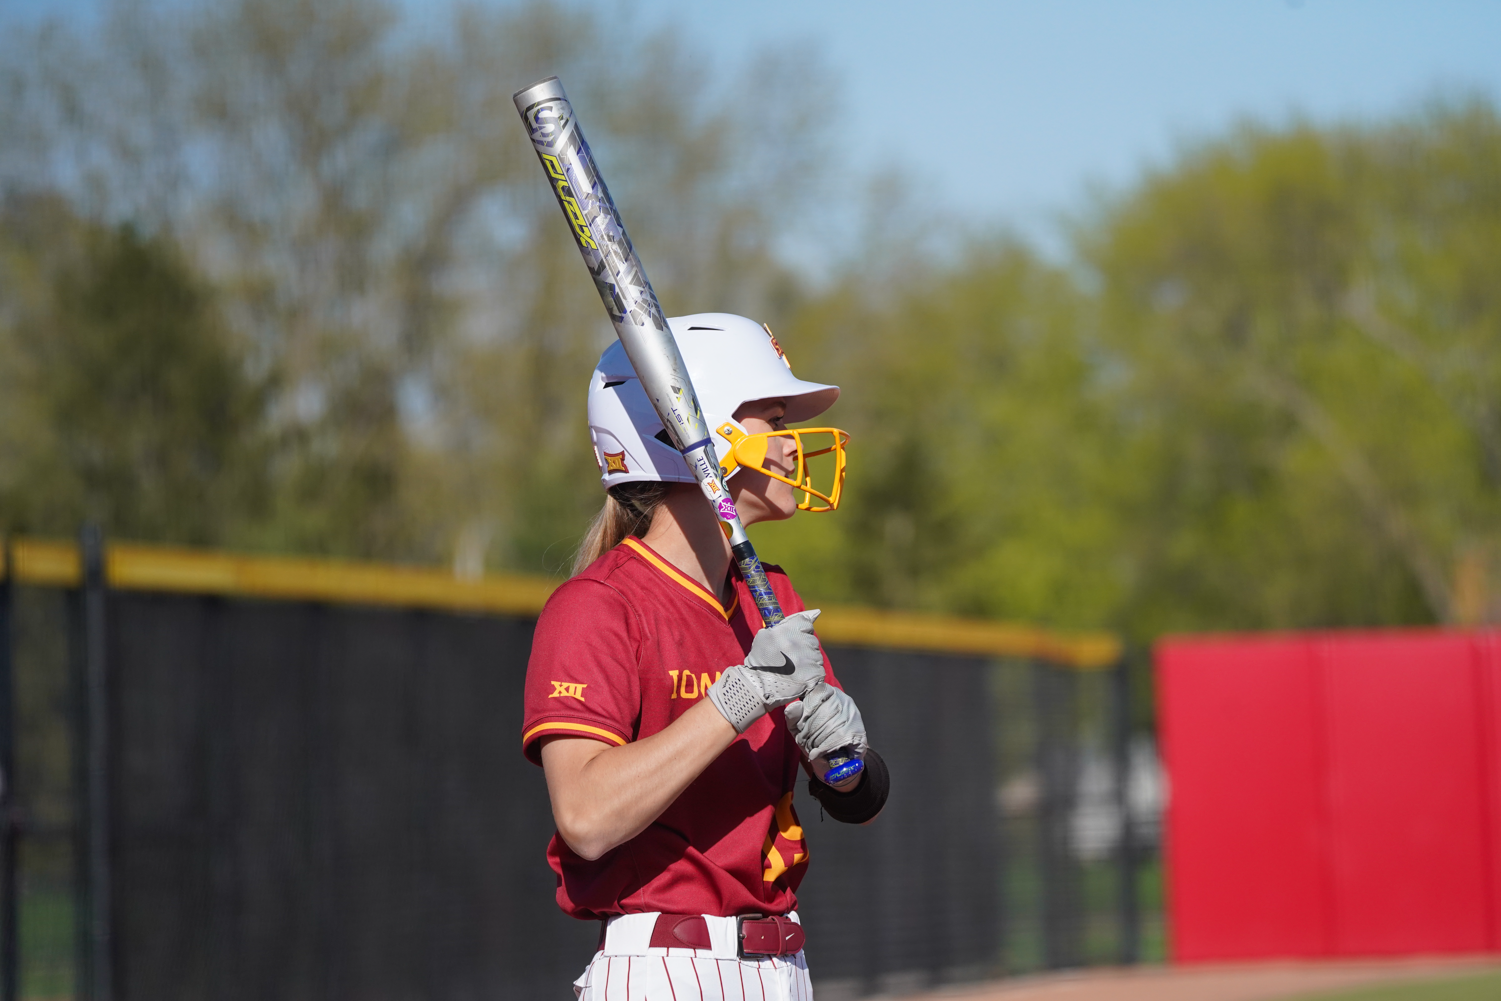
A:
x: 731, y: 360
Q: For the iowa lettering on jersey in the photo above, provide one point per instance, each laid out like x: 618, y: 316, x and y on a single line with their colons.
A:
x: 690, y: 685
x: 568, y: 689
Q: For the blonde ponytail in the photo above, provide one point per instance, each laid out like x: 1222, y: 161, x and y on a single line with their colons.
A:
x: 628, y: 510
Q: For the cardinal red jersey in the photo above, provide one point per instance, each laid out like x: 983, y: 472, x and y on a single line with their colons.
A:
x: 622, y: 650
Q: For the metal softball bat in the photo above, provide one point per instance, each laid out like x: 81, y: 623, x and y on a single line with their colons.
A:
x: 639, y: 322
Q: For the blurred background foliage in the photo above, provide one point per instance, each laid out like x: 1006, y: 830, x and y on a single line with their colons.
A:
x: 283, y: 275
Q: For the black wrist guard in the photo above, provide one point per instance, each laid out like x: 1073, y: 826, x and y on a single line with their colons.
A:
x: 860, y: 803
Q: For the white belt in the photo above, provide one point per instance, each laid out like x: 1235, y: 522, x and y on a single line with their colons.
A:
x: 630, y: 935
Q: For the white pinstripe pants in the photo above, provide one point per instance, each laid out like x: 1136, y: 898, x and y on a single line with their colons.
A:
x: 627, y: 969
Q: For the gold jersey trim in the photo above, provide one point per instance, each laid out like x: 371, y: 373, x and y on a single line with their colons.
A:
x: 595, y: 731
x: 679, y: 577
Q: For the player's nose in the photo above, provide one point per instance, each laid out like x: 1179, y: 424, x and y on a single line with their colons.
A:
x: 789, y: 451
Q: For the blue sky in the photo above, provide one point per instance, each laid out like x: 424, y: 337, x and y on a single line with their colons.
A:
x: 1054, y: 97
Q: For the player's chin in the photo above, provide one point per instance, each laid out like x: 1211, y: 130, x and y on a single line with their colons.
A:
x: 771, y: 505
x: 760, y: 498
x: 757, y: 513
x: 782, y: 504
x: 781, y: 512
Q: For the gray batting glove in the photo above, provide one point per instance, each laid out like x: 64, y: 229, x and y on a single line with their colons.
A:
x: 784, y: 663
x: 825, y: 721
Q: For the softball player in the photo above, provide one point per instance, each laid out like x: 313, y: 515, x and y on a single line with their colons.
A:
x: 670, y: 726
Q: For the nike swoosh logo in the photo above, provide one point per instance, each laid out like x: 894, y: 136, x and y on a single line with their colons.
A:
x: 785, y: 667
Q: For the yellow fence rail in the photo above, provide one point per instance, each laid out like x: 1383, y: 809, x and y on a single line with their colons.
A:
x: 134, y: 567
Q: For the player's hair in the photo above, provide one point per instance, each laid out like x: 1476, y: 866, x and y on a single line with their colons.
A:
x: 628, y: 510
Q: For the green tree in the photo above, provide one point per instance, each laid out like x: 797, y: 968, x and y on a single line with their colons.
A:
x: 365, y: 202
x: 133, y: 407
x: 1312, y: 334
x: 980, y: 464
x: 1264, y: 395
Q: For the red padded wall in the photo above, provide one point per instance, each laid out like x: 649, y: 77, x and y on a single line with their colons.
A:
x: 1240, y: 742
x: 1406, y: 817
x: 1488, y: 675
x: 1332, y: 794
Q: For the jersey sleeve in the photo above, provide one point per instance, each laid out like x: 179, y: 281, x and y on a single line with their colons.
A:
x: 582, y: 678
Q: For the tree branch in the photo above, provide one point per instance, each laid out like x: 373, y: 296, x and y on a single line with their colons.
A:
x: 1359, y: 307
x: 1364, y: 484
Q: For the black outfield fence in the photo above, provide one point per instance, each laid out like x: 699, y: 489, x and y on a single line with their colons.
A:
x: 250, y: 778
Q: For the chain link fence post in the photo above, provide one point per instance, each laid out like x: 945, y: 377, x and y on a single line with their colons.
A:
x: 9, y: 890
x: 1130, y: 905
x: 97, y: 959
x: 1058, y: 769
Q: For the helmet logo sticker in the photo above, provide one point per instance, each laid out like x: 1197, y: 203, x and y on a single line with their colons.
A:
x: 776, y: 346
x: 615, y: 463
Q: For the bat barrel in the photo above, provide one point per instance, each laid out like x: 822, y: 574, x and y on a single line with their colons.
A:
x: 542, y: 90
x: 633, y: 308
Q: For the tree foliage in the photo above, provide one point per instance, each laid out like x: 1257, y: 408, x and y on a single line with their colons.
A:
x: 979, y: 481
x: 1314, y: 328
x: 1267, y: 393
x: 127, y: 402
x: 366, y: 206
x: 283, y: 274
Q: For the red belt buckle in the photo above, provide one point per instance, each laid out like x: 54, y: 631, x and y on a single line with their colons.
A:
x: 768, y: 936
x: 740, y: 932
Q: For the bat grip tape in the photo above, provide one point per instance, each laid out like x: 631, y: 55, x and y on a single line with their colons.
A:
x: 755, y: 579
x: 843, y: 765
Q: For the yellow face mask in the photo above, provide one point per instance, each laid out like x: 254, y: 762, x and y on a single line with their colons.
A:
x: 749, y: 450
